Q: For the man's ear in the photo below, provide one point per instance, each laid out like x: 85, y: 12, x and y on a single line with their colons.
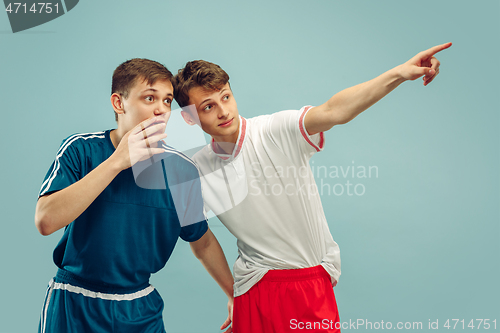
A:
x: 187, y: 118
x: 117, y: 103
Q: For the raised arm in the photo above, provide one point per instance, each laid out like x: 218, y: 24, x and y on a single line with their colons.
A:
x: 347, y: 104
x: 58, y: 209
x: 207, y: 249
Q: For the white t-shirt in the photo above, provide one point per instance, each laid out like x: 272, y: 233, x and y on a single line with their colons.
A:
x: 265, y: 194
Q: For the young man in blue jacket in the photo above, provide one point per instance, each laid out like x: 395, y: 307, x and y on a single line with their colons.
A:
x: 124, y: 198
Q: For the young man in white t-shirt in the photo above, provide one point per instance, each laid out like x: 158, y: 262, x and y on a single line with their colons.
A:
x: 256, y: 178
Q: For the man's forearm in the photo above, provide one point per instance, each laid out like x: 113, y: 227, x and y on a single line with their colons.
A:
x: 347, y: 104
x: 57, y: 210
x: 350, y: 102
x: 210, y: 254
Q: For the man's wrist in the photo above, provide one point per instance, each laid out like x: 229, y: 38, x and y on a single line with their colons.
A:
x: 398, y: 73
x: 113, y: 164
x: 230, y: 293
x: 392, y: 78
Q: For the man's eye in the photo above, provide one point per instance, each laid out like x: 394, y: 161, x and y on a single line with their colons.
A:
x: 225, y: 97
x: 149, y: 98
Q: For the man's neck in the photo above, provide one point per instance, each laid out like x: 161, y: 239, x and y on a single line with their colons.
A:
x: 225, y: 144
x: 116, y: 136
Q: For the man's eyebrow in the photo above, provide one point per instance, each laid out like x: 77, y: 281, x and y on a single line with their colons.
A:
x: 207, y: 99
x: 155, y: 90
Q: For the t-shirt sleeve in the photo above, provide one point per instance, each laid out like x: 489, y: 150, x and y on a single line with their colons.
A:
x: 66, y: 168
x: 185, y: 187
x: 193, y: 221
x: 193, y: 232
x: 286, y: 129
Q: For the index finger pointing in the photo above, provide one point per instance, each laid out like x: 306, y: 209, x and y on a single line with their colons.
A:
x: 433, y: 50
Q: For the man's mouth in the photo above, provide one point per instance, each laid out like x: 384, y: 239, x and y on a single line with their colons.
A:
x: 227, y: 123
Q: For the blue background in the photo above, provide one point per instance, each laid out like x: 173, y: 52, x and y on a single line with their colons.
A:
x: 421, y: 244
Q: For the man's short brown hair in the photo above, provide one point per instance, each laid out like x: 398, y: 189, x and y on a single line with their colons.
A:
x: 197, y: 73
x: 126, y: 75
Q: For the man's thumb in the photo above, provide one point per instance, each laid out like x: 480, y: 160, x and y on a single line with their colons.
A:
x: 425, y: 71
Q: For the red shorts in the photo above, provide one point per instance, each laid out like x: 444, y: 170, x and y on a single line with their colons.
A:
x: 292, y: 300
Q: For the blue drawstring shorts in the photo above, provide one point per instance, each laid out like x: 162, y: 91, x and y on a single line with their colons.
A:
x: 74, y: 305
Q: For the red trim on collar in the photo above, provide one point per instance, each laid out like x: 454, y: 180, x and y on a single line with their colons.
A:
x: 242, y: 135
x: 304, y: 133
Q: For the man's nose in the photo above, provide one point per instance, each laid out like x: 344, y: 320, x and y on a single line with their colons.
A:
x: 162, y: 109
x: 222, y: 111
